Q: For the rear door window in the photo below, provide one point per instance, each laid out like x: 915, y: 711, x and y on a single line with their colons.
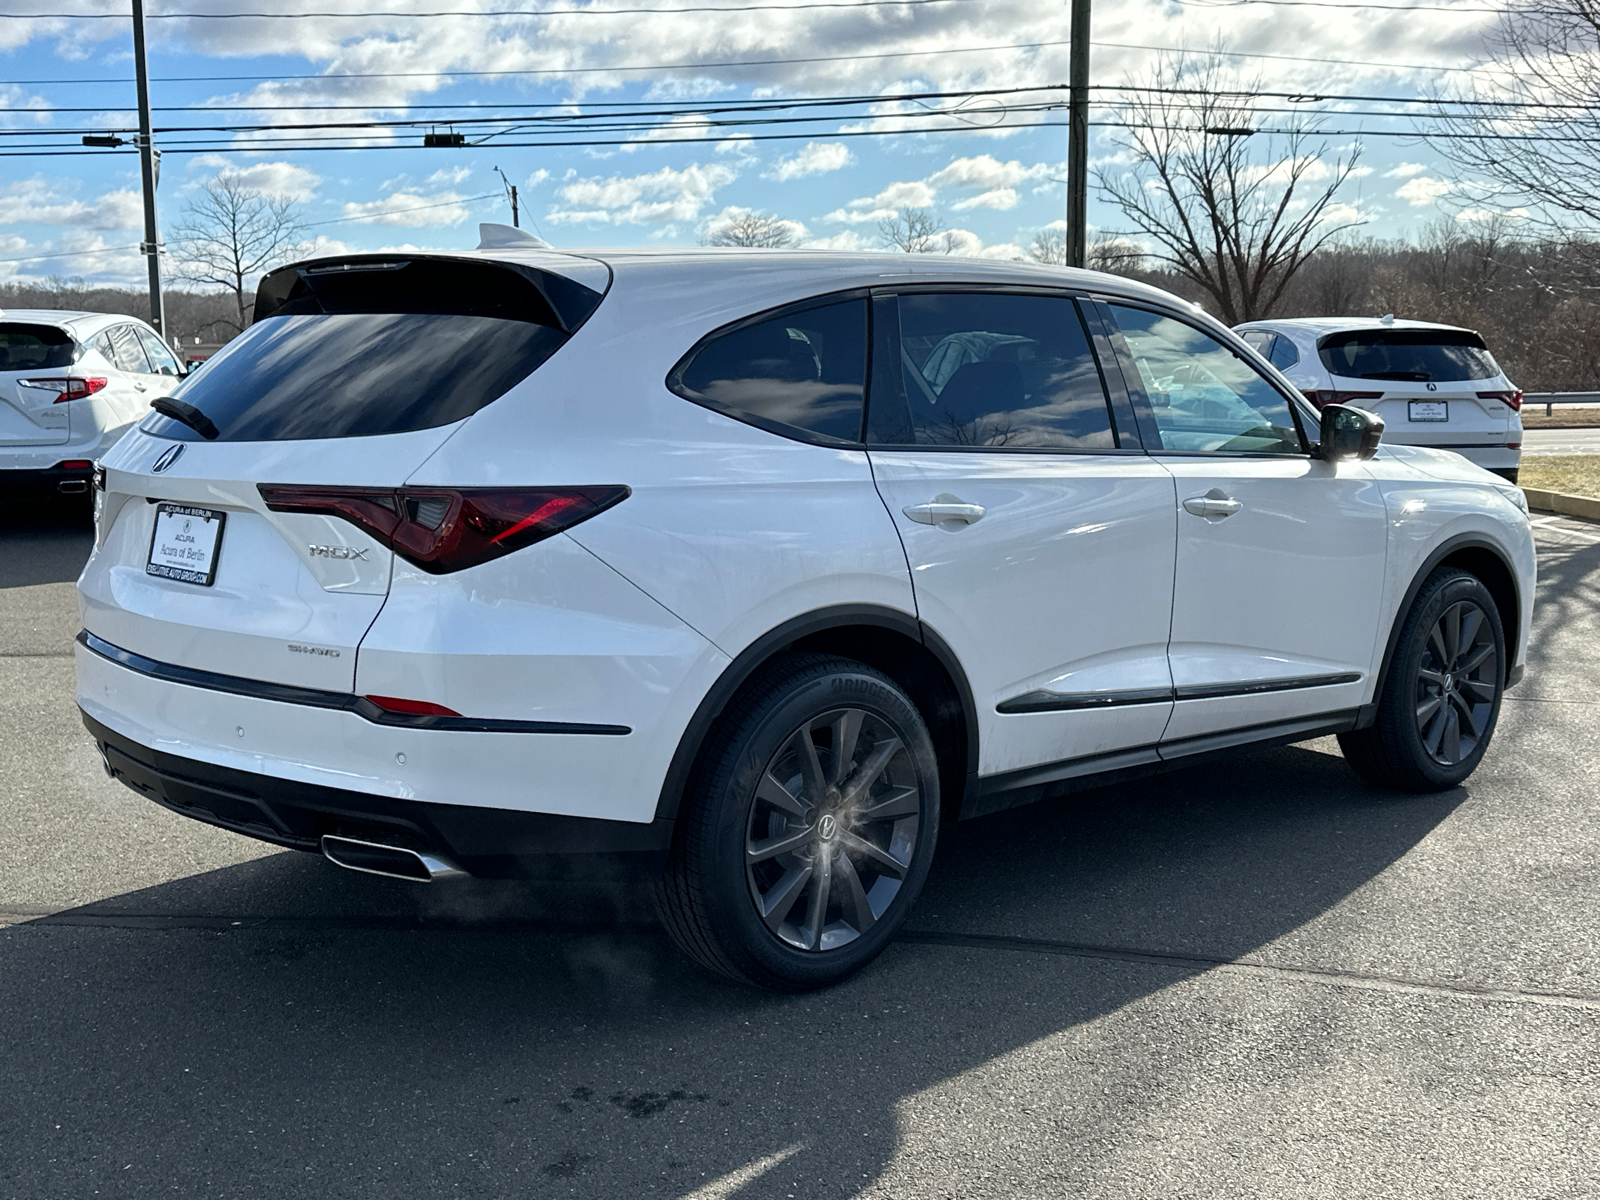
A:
x: 126, y: 351
x: 161, y: 359
x: 986, y: 370
x: 368, y: 346
x: 801, y: 372
x: 25, y: 347
x: 1283, y: 353
x: 1413, y: 355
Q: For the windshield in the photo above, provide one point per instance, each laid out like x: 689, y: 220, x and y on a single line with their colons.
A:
x: 1416, y: 355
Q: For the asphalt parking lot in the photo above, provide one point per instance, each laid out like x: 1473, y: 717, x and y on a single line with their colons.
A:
x: 1257, y: 977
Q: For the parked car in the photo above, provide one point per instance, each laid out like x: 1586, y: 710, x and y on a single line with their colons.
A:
x: 71, y: 384
x: 1433, y: 385
x: 747, y: 570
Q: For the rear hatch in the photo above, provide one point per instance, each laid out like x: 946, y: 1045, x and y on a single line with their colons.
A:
x: 35, y: 370
x: 1433, y: 387
x: 354, y: 372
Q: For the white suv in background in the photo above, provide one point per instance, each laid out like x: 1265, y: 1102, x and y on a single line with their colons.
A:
x: 746, y: 570
x: 1433, y: 385
x: 71, y: 384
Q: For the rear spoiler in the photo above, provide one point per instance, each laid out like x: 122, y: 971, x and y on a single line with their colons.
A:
x: 423, y: 283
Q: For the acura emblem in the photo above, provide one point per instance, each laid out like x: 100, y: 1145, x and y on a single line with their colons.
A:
x: 1433, y: 387
x: 168, y: 456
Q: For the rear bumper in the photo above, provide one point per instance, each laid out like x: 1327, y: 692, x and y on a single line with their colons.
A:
x: 45, y: 482
x: 490, y: 843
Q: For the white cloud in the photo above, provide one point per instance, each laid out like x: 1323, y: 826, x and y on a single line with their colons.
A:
x: 410, y: 209
x: 280, y: 180
x: 664, y: 195
x: 1404, y: 171
x: 849, y: 241
x: 739, y: 144
x: 712, y: 225
x: 43, y: 202
x: 814, y: 158
x: 999, y: 198
x: 1423, y: 190
x: 451, y: 175
x: 986, y: 172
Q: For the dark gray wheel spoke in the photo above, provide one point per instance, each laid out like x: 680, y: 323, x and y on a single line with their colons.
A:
x: 1426, y: 709
x: 1469, y: 633
x: 1450, y: 748
x: 1452, y: 633
x: 874, y: 766
x: 853, y: 897
x: 1464, y: 714
x: 816, y: 784
x: 1476, y: 659
x: 1436, y: 678
x: 1436, y: 644
x: 775, y: 905
x: 1434, y: 733
x: 902, y: 802
x: 817, y: 905
x: 881, y: 858
x: 846, y: 732
x: 1478, y: 690
x: 772, y: 847
x: 775, y: 794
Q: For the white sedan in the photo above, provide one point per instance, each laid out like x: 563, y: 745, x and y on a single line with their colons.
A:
x: 748, y: 570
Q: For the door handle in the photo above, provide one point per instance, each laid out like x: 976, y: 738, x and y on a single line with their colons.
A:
x: 946, y: 511
x: 1213, y: 506
x: 139, y: 387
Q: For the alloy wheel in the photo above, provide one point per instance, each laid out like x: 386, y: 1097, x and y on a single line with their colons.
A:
x: 832, y: 829
x: 1457, y: 683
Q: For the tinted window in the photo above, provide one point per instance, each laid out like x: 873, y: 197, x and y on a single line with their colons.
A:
x: 126, y: 351
x: 357, y: 374
x: 156, y: 350
x: 1283, y: 354
x: 1203, y: 396
x: 34, y: 347
x: 803, y: 370
x: 986, y: 370
x: 1419, y: 355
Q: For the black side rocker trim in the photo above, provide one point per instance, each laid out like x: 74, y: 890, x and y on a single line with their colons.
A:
x: 1047, y: 701
x: 317, y: 698
x: 490, y: 843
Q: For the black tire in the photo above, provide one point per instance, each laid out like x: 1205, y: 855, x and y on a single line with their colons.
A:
x: 741, y: 888
x: 1442, y: 696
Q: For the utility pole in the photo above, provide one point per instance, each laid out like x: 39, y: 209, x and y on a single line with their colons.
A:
x: 1078, y: 138
x: 149, y: 171
x: 511, y: 189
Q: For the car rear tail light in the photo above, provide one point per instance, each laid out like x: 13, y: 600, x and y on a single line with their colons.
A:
x: 448, y: 529
x: 71, y: 388
x: 1512, y: 400
x: 412, y: 708
x: 1321, y: 399
x: 74, y: 464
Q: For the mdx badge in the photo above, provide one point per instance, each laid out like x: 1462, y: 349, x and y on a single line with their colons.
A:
x: 346, y: 552
x: 168, y: 456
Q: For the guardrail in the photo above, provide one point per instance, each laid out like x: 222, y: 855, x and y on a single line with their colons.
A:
x: 1550, y: 399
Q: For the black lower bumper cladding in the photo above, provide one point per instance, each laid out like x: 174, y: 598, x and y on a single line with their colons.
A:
x: 490, y: 843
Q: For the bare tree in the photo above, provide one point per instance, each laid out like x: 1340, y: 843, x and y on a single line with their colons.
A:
x: 1525, y: 132
x: 756, y: 230
x: 1237, y: 225
x: 1049, y: 247
x: 916, y: 231
x: 229, y: 234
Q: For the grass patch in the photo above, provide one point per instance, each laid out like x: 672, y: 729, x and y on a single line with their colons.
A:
x: 1570, y: 474
x: 1562, y: 418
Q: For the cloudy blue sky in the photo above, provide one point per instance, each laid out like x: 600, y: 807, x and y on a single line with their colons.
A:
x: 995, y: 179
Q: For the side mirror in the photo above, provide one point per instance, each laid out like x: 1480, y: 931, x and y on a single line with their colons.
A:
x: 1349, y: 432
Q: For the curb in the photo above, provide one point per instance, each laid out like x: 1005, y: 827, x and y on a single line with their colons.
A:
x: 1567, y: 506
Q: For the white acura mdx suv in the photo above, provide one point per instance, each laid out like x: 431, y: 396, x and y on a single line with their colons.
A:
x: 71, y: 384
x: 1433, y: 385
x: 749, y: 569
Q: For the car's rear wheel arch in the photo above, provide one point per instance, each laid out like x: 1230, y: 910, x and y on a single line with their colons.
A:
x: 893, y: 642
x: 1481, y: 559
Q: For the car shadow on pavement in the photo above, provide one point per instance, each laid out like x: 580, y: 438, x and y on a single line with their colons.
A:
x: 45, y: 541
x: 282, y: 1028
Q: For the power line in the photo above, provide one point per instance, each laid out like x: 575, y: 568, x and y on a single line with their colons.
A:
x: 475, y: 12
x: 71, y: 254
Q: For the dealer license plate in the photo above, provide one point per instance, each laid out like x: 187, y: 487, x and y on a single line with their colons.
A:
x: 185, y: 543
x: 1428, y: 410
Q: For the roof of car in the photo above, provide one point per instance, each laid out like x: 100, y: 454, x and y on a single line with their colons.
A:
x: 1322, y: 325
x: 57, y: 316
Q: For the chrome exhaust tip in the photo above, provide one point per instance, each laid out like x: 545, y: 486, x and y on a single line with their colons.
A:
x: 392, y: 862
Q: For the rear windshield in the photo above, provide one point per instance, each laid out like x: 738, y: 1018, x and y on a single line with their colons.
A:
x: 1416, y: 355
x: 35, y: 347
x: 362, y: 348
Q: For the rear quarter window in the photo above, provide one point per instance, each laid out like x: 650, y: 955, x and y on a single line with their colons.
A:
x: 364, y: 347
x: 26, y: 347
x: 801, y: 372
